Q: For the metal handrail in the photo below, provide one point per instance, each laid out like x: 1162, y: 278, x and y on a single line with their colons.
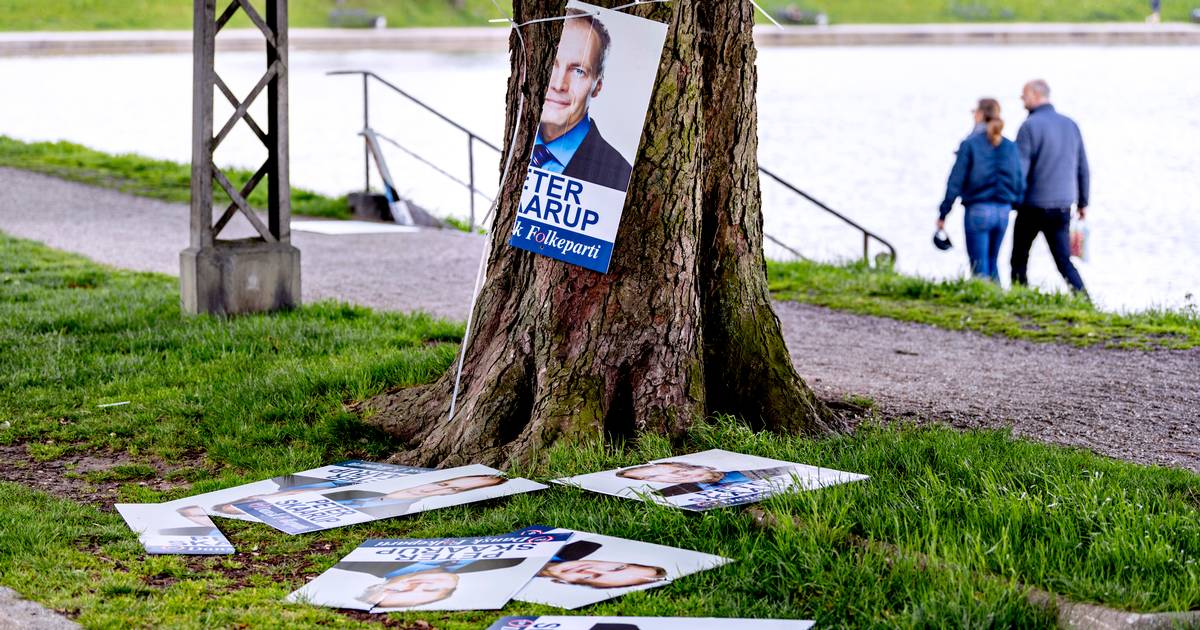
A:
x: 867, y: 234
x: 472, y: 138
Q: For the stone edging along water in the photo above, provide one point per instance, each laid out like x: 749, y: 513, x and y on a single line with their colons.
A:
x: 496, y: 38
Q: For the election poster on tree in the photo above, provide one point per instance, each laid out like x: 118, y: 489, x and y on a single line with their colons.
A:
x: 646, y: 623
x: 588, y: 134
x: 385, y: 575
x: 180, y: 530
x: 312, y: 511
x: 592, y: 568
x: 710, y: 479
x: 222, y: 502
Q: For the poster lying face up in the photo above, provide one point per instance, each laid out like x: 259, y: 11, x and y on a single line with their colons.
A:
x: 646, y: 623
x: 385, y: 575
x: 347, y: 505
x: 183, y: 530
x: 222, y: 502
x: 592, y: 118
x: 592, y: 568
x: 711, y: 479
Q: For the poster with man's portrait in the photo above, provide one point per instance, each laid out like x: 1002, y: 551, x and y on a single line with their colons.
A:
x: 588, y: 134
x: 348, y: 505
x: 593, y: 567
x: 710, y: 479
x: 387, y: 575
x: 547, y: 622
x: 222, y: 502
x: 178, y: 530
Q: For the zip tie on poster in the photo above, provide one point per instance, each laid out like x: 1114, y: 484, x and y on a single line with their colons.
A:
x: 487, y: 243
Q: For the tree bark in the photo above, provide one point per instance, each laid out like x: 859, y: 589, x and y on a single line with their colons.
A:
x: 681, y: 326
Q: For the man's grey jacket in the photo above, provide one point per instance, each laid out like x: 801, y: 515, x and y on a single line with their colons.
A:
x: 1053, y: 159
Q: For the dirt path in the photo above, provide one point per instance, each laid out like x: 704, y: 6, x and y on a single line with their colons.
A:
x: 1137, y: 406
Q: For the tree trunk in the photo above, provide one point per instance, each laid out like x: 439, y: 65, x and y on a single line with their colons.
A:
x: 681, y: 326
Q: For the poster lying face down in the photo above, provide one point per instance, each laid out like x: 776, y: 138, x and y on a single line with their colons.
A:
x: 592, y: 119
x: 711, y: 479
x: 385, y: 575
x: 348, y: 505
x: 592, y: 568
x: 222, y: 502
x: 183, y: 530
x: 646, y: 623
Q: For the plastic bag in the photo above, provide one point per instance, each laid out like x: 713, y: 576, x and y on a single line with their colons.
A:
x: 1079, y: 239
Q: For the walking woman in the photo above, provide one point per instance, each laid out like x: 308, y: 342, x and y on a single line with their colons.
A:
x: 987, y: 175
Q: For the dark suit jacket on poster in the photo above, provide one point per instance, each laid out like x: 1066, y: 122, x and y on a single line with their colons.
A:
x: 381, y: 569
x: 577, y: 550
x: 596, y: 161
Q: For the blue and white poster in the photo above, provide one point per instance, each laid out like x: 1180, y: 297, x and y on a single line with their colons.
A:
x: 588, y: 135
x: 179, y: 530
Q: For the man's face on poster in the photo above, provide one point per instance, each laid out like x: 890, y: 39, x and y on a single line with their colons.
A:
x: 575, y: 80
x: 448, y: 487
x: 673, y: 472
x: 412, y: 590
x: 601, y: 573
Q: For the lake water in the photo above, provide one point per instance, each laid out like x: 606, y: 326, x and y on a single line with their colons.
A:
x: 870, y: 131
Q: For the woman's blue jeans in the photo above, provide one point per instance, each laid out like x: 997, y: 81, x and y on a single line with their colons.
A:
x: 986, y: 224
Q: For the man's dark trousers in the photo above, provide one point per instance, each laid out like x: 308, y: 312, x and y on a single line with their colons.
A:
x: 1055, y: 223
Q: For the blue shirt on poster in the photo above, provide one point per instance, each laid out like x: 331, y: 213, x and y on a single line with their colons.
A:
x: 563, y: 148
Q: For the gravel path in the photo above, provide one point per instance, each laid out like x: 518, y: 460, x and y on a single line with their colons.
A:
x: 1137, y: 406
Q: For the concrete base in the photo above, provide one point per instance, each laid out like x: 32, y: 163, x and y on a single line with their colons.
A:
x: 375, y: 207
x: 236, y: 277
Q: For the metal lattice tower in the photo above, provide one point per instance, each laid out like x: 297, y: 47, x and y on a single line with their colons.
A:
x: 260, y: 273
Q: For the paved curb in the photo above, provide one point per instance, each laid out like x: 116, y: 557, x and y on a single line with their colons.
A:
x: 495, y: 39
x: 17, y: 613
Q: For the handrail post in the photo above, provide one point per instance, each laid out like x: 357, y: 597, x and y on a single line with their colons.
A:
x: 866, y: 249
x: 366, y: 125
x: 471, y: 177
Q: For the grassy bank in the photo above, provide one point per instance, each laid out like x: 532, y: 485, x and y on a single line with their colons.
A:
x: 216, y: 402
x: 146, y: 177
x: 955, y: 304
x: 981, y: 306
x: 86, y: 15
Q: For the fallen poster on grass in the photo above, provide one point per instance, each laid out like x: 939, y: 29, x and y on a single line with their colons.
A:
x: 352, y: 472
x: 591, y: 124
x: 711, y: 479
x: 592, y: 568
x: 182, y: 530
x: 314, y: 511
x: 646, y: 623
x: 386, y: 575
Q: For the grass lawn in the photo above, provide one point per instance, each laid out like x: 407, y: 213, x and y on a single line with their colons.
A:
x: 147, y: 177
x: 48, y: 15
x: 968, y: 304
x: 217, y: 402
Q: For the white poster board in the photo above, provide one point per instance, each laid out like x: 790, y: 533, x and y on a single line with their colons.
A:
x: 591, y: 124
x: 385, y: 575
x: 180, y: 530
x: 592, y: 568
x: 314, y: 511
x: 711, y: 479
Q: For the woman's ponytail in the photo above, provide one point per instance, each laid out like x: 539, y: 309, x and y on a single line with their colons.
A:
x: 990, y: 108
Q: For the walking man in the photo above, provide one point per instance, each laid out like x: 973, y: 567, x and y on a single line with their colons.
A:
x: 1057, y: 177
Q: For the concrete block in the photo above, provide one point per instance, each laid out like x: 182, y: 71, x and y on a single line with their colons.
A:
x: 237, y: 277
